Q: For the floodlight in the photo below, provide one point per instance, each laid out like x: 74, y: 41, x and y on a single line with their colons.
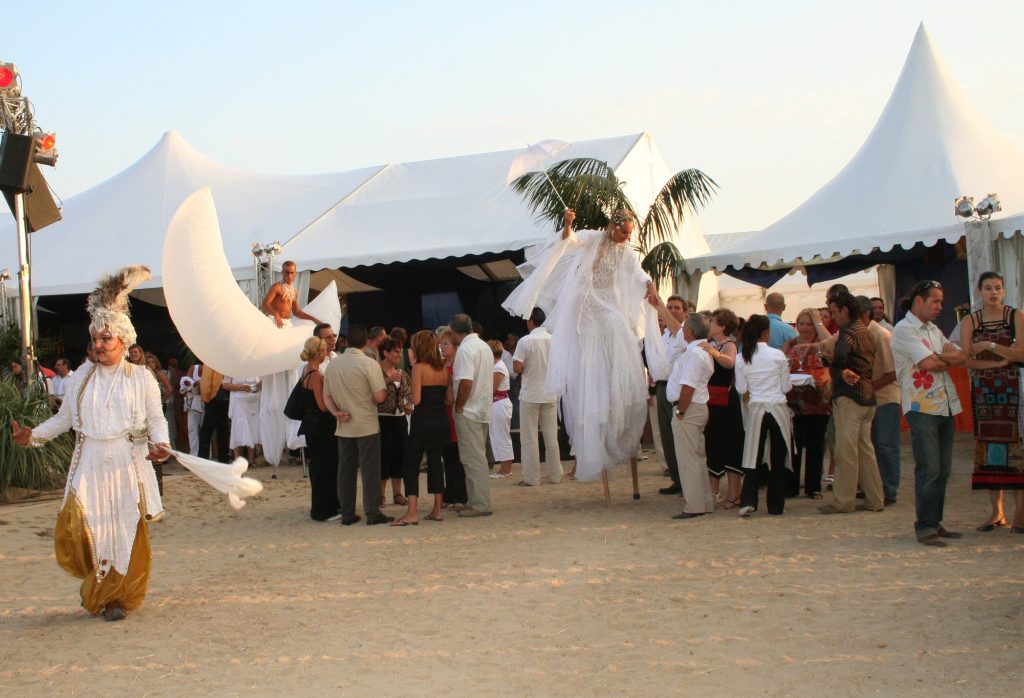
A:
x: 9, y: 79
x: 257, y: 250
x: 964, y: 206
x: 987, y: 206
x: 45, y: 150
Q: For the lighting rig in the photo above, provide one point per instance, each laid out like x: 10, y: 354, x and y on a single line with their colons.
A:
x: 24, y: 146
x: 964, y: 207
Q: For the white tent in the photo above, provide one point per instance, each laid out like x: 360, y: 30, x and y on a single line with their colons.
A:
x: 928, y: 147
x: 123, y: 220
x: 461, y: 206
x: 434, y: 209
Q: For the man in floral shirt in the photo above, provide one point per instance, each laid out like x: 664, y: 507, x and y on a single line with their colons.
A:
x: 923, y: 358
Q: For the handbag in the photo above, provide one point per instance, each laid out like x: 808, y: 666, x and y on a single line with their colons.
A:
x: 718, y: 395
x: 295, y: 407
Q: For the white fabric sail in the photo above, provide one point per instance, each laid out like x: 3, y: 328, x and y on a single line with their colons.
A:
x: 223, y: 477
x: 214, y: 317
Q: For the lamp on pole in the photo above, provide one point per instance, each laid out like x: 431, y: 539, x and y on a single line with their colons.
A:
x: 24, y: 147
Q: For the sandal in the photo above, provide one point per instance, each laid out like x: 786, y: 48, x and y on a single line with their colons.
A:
x: 400, y: 500
x: 435, y: 518
x: 726, y: 504
x: 403, y: 522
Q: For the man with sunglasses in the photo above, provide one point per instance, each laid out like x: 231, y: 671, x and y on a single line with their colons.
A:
x: 923, y: 358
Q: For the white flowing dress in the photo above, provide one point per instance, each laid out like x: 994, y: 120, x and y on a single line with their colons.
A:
x: 593, y: 292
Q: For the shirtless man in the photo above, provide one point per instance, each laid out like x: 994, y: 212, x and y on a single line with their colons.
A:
x: 282, y: 300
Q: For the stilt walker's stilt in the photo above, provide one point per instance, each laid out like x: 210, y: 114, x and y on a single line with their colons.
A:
x: 636, y: 482
x: 607, y: 492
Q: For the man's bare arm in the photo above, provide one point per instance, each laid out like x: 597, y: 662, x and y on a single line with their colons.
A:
x: 299, y: 313
x: 465, y: 388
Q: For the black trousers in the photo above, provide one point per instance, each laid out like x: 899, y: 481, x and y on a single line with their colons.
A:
x: 777, y: 474
x: 665, y: 416
x: 323, y: 474
x: 454, y: 475
x: 215, y: 419
x: 435, y: 471
x: 809, y: 433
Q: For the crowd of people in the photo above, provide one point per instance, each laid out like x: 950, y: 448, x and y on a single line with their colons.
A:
x: 736, y: 405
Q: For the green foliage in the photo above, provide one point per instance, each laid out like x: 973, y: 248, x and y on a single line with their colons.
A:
x: 591, y: 188
x: 42, y: 468
x: 10, y: 347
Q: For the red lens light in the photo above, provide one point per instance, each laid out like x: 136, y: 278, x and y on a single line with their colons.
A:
x: 48, y: 141
x: 6, y: 77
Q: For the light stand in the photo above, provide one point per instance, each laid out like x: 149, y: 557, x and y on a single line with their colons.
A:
x: 263, y: 267
x: 24, y: 146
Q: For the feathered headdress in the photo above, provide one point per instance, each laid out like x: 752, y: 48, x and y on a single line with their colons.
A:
x: 108, y: 304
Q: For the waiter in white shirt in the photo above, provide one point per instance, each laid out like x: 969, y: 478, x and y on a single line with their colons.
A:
x: 538, y: 409
x: 672, y: 313
x: 687, y: 390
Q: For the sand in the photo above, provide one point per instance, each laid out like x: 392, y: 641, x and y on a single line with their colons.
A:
x: 554, y: 595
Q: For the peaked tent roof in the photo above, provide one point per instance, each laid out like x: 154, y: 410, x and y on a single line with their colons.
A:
x: 124, y: 219
x: 929, y: 146
x: 459, y: 206
x: 451, y: 207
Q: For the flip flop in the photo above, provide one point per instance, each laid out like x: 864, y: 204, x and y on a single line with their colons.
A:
x: 400, y: 500
x: 403, y: 522
x: 434, y: 518
x: 523, y: 483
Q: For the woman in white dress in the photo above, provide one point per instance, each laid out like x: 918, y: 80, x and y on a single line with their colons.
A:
x: 500, y: 429
x: 596, y: 298
x: 244, y: 413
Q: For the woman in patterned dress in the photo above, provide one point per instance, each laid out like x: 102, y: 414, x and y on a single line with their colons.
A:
x: 995, y: 396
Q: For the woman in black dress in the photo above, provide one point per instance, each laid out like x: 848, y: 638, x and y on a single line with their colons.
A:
x: 723, y: 436
x: 318, y: 426
x: 429, y: 430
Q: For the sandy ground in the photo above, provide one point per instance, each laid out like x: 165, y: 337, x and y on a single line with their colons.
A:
x: 554, y: 595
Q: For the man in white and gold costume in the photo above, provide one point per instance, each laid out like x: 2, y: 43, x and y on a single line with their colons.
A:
x: 115, y: 410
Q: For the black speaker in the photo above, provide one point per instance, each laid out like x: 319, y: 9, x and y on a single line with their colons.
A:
x: 15, y: 157
x: 40, y: 208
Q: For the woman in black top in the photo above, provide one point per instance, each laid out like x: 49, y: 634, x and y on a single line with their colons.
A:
x: 723, y: 436
x: 429, y: 431
x: 318, y: 427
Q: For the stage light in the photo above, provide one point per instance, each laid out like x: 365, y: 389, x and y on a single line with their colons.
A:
x: 257, y: 250
x: 45, y: 149
x: 964, y: 206
x: 987, y: 206
x: 9, y: 78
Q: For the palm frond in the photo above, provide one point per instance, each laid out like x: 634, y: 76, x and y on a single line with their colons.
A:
x: 663, y: 262
x: 689, y: 189
x: 589, y: 186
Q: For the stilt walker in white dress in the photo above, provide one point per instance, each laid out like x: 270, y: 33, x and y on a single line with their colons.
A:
x: 596, y: 297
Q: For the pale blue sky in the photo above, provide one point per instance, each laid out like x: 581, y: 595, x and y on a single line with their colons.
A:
x: 770, y: 100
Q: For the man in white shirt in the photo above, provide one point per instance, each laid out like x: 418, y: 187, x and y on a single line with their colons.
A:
x: 672, y: 313
x: 923, y: 358
x: 325, y: 332
x: 62, y: 367
x: 474, y: 387
x: 878, y: 314
x: 537, y: 407
x: 688, y: 390
x: 194, y: 407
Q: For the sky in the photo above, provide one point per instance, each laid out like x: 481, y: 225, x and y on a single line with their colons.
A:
x: 770, y: 101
